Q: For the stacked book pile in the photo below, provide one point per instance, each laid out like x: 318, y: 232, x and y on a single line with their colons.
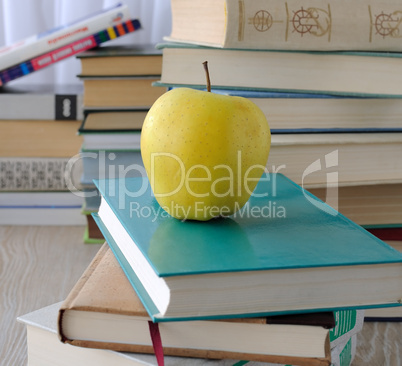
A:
x: 38, y: 137
x: 117, y: 95
x: 324, y: 79
x: 231, y: 291
x: 286, y: 280
x: 39, y: 122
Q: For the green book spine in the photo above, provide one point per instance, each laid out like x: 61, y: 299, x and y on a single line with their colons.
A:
x: 348, y: 323
x: 88, y: 240
x: 346, y: 355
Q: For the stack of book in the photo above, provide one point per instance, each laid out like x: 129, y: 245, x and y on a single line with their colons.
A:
x: 325, y: 80
x: 44, y: 348
x: 104, y: 289
x: 284, y: 280
x: 39, y: 122
x: 38, y: 137
x: 196, y: 291
x: 118, y: 93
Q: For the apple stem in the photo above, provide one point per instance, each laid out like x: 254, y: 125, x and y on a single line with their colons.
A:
x: 205, y: 63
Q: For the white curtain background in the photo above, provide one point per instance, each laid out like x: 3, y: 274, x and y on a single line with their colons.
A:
x: 22, y: 18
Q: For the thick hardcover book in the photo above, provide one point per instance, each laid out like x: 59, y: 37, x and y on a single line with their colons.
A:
x: 44, y: 348
x: 107, y: 121
x: 393, y: 314
x: 52, y: 39
x: 338, y: 73
x: 238, y: 266
x: 103, y: 311
x: 120, y: 92
x: 122, y: 61
x: 69, y: 50
x: 112, y: 130
x: 39, y: 138
x: 306, y: 158
x: 36, y: 174
x: 266, y: 24
x: 377, y: 207
x: 322, y: 113
x: 41, y: 102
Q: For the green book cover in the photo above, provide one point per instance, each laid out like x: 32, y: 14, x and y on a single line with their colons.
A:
x: 347, y: 324
x: 282, y: 229
x: 346, y: 355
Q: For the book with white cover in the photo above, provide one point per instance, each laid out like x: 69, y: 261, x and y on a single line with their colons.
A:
x: 64, y: 34
x: 41, y: 102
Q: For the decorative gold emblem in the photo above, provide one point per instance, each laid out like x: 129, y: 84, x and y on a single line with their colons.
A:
x: 262, y: 20
x: 312, y: 21
x: 386, y: 25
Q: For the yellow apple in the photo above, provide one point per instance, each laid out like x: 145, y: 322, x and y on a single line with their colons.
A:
x: 204, y: 152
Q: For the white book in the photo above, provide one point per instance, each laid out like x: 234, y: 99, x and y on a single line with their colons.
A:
x: 41, y: 102
x: 38, y: 44
x: 40, y: 199
x: 62, y: 216
x: 41, y: 208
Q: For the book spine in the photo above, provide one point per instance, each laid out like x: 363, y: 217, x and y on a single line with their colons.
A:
x: 348, y: 323
x: 33, y: 174
x: 49, y: 58
x: 341, y: 355
x: 344, y: 353
x: 38, y: 106
x: 387, y: 233
x: 68, y: 303
x: 42, y: 43
x: 314, y: 25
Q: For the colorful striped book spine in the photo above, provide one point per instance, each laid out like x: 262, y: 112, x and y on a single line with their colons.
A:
x: 73, y: 48
x: 62, y: 35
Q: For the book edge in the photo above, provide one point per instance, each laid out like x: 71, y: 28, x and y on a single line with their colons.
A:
x: 68, y: 303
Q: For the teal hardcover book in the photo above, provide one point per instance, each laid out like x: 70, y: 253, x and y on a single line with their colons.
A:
x: 285, y: 251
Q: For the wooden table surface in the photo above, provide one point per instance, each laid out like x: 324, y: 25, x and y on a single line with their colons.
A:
x: 39, y: 265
